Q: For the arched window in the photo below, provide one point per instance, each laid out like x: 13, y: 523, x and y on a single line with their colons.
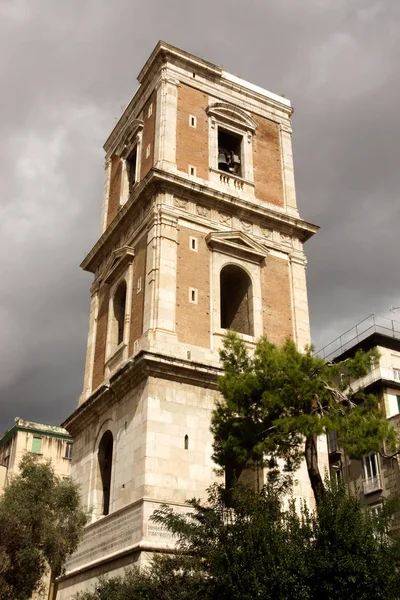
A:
x: 186, y: 442
x: 236, y: 300
x: 105, y: 466
x: 119, y: 305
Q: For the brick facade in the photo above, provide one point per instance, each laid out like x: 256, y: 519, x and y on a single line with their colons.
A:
x: 276, y: 300
x: 267, y: 162
x: 148, y: 138
x: 192, y: 142
x: 193, y: 271
x: 138, y: 297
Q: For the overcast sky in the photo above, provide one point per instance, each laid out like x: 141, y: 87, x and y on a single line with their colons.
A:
x: 66, y: 70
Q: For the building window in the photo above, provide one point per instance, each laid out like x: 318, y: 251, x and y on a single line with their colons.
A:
x: 119, y: 306
x: 131, y: 168
x: 150, y: 110
x: 192, y: 121
x: 68, y: 450
x: 186, y: 442
x: 139, y: 285
x: 230, y: 152
x: 396, y: 374
x: 147, y: 150
x: 193, y: 244
x: 398, y: 403
x: 37, y: 445
x: 192, y: 171
x: 236, y: 300
x: 105, y: 467
x: 332, y: 442
x: 372, y: 477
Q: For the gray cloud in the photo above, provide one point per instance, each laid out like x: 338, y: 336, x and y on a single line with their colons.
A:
x: 67, y: 68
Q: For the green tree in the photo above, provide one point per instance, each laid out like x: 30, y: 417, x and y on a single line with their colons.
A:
x: 255, y: 549
x: 41, y: 523
x: 277, y: 402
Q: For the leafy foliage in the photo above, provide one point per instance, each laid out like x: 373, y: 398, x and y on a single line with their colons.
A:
x: 276, y: 402
x: 255, y: 549
x: 41, y: 523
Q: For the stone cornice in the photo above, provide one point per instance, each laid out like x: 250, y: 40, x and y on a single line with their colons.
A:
x: 136, y: 370
x: 157, y: 180
x: 237, y: 243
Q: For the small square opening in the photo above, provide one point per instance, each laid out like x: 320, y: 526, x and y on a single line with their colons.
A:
x: 230, y: 152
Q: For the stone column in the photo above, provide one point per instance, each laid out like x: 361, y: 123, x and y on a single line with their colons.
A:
x: 166, y: 119
x: 289, y: 189
x: 94, y: 309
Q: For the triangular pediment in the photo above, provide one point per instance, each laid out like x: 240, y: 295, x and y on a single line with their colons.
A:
x: 118, y: 261
x: 223, y: 111
x: 237, y: 243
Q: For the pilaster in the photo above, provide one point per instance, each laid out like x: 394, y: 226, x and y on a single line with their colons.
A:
x: 166, y: 121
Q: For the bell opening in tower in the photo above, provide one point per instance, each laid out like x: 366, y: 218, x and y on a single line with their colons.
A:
x: 229, y: 152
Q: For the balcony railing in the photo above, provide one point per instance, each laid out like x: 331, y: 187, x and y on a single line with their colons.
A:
x: 370, y: 325
x: 372, y: 484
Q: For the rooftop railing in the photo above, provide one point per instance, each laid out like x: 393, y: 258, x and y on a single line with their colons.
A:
x: 358, y: 333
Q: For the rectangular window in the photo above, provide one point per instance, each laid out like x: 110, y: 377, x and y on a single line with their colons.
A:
x: 332, y: 442
x: 139, y: 285
x: 131, y: 164
x: 371, y: 466
x: 229, y: 152
x: 150, y: 111
x: 37, y: 445
x: 193, y: 244
x: 148, y: 151
x: 68, y: 450
x: 192, y: 170
x: 398, y: 403
x: 192, y: 121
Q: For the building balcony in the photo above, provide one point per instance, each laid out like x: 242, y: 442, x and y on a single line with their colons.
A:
x: 372, y: 484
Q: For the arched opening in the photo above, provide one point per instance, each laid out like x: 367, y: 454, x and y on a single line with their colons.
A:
x: 119, y: 305
x: 186, y: 442
x: 236, y: 300
x: 105, y: 465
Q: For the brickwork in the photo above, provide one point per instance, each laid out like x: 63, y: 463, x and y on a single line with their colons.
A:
x: 192, y: 142
x: 138, y: 297
x: 276, y: 297
x: 267, y: 162
x: 193, y: 271
x: 148, y: 138
x: 115, y: 189
x: 101, y: 339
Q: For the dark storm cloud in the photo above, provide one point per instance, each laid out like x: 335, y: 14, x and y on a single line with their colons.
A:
x: 67, y: 68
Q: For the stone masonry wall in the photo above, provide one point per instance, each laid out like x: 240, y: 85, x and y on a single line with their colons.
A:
x: 115, y: 189
x: 101, y: 338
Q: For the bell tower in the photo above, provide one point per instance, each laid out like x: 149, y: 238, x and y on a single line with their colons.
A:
x: 200, y: 233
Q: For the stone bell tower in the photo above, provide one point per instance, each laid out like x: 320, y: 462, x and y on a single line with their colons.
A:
x: 200, y: 233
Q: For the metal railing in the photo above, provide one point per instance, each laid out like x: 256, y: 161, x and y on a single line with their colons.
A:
x: 372, y: 484
x: 354, y: 335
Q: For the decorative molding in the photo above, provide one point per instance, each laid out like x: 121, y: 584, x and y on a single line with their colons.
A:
x: 247, y: 226
x: 237, y: 243
x: 117, y: 263
x: 130, y: 139
x: 181, y: 203
x: 231, y: 114
x: 203, y: 211
x: 224, y: 218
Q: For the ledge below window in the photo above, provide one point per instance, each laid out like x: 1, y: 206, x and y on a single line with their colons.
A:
x: 232, y: 182
x: 113, y: 361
